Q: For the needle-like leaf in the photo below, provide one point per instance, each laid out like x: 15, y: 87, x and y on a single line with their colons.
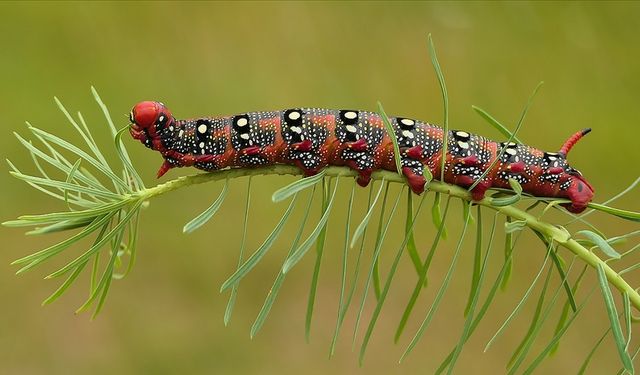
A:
x: 616, y: 329
x: 207, y: 214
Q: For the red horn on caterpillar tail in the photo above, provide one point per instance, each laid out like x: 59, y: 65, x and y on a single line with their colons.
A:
x: 568, y: 145
x: 580, y: 191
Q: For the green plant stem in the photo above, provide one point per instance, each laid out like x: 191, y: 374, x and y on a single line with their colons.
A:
x: 548, y: 230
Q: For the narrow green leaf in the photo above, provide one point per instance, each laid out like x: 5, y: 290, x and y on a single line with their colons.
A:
x: 131, y: 247
x: 445, y: 103
x: 275, y: 288
x: 600, y: 242
x: 69, y: 180
x: 471, y: 307
x: 101, y: 288
x: 392, y: 135
x: 306, y: 245
x: 613, y: 318
x: 374, y: 260
x: 436, y: 215
x: 376, y: 264
x: 514, y: 226
x: 570, y: 304
x: 207, y: 214
x: 525, y: 110
x: 356, y: 273
x: 55, y: 217
x: 61, y: 226
x: 520, y: 304
x: 522, y: 350
x: 35, y: 152
x: 42, y: 255
x: 94, y: 249
x: 412, y: 249
x: 70, y: 147
x: 234, y: 290
x: 612, y: 199
x: 65, y: 185
x: 91, y: 141
x: 326, y: 186
x: 506, y: 201
x: 296, y: 186
x: 496, y: 124
x: 587, y: 360
x: 423, y: 275
x: 536, y: 326
x: 365, y: 221
x: 126, y: 162
x: 556, y: 338
x: 559, y: 264
x: 122, y: 151
x: 343, y: 279
x: 65, y: 285
x: 443, y: 288
x: 107, y: 276
x: 260, y: 252
x: 477, y: 264
x: 84, y: 133
x: 629, y: 215
x: 387, y: 286
x: 508, y: 249
x: 481, y: 313
x: 627, y: 318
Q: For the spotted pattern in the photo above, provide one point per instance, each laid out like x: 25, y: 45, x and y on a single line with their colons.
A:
x: 313, y: 138
x: 306, y: 125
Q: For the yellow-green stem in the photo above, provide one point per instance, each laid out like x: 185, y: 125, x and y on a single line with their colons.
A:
x: 548, y: 230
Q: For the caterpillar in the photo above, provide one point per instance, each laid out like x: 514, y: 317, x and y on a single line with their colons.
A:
x: 313, y: 138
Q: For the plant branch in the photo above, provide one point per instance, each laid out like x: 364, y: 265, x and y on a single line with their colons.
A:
x: 546, y: 229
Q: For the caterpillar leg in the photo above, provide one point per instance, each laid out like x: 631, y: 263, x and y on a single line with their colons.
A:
x: 414, y: 172
x: 413, y: 167
x: 358, y: 159
x: 309, y: 162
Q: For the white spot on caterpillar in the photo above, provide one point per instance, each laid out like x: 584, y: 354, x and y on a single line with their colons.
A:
x: 350, y: 115
x: 555, y: 163
x: 350, y: 128
x: 202, y: 151
x: 201, y: 145
x: 242, y: 122
x: 407, y: 133
x: 244, y: 136
x: 296, y: 129
x: 181, y: 133
x: 407, y: 122
x: 171, y: 128
x: 294, y: 116
x: 511, y: 151
x: 464, y: 145
x: 202, y: 128
x: 161, y: 118
x: 462, y: 134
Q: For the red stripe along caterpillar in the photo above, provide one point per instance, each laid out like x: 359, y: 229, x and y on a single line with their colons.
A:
x: 313, y: 138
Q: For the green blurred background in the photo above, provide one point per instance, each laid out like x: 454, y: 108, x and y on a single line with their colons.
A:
x: 221, y: 58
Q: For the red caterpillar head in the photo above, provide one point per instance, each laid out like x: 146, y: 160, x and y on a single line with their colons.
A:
x: 579, y: 191
x: 148, y: 118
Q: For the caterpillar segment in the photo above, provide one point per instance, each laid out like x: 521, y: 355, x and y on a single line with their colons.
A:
x: 314, y: 138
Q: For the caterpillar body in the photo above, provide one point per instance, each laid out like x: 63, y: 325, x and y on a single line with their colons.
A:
x: 313, y: 138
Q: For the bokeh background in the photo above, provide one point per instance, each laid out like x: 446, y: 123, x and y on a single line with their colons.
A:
x: 221, y: 58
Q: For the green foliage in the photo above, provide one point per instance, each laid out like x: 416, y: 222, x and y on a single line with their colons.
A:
x: 109, y: 215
